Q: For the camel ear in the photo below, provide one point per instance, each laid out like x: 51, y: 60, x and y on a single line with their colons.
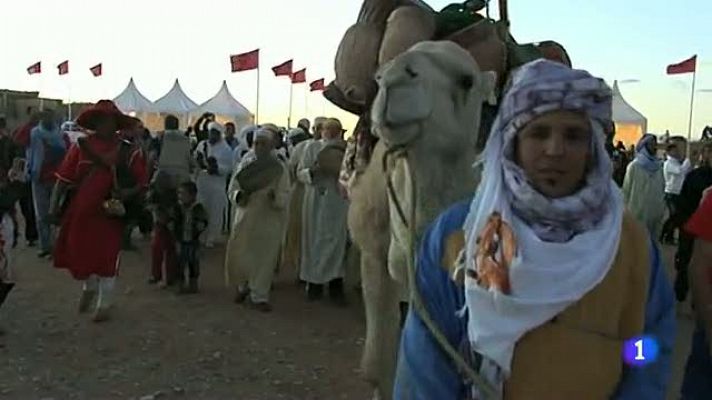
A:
x: 407, y: 104
x: 488, y: 86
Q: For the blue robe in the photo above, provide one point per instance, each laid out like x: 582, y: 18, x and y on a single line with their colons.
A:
x: 425, y: 372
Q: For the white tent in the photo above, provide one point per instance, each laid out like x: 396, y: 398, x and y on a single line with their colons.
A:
x: 175, y: 102
x: 630, y: 124
x: 225, y: 108
x: 132, y: 101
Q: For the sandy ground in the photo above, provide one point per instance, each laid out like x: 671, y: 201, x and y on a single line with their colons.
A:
x: 198, y: 347
x: 166, y: 346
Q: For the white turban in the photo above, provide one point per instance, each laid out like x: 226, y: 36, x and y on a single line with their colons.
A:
x: 216, y: 126
x: 263, y: 133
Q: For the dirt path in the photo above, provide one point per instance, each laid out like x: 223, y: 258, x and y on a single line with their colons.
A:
x: 201, y: 347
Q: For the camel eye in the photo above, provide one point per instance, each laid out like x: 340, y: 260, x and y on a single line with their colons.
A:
x: 466, y: 82
x: 410, y: 72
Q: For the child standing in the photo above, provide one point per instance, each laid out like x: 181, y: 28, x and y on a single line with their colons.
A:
x: 192, y: 221
x: 163, y: 203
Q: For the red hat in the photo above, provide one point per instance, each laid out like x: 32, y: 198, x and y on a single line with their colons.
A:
x: 104, y: 109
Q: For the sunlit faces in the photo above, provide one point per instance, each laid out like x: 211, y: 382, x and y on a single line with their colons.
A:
x: 554, y: 152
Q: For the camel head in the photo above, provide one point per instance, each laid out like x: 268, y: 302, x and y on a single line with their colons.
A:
x: 435, y: 88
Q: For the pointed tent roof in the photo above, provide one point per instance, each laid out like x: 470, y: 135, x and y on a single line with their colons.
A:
x: 223, y: 103
x: 131, y: 100
x: 623, y: 112
x: 175, y: 101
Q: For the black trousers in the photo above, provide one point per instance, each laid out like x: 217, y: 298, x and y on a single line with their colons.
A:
x: 336, y: 289
x: 5, y: 289
x: 27, y: 206
x: 683, y: 255
x: 674, y: 219
x: 189, y: 258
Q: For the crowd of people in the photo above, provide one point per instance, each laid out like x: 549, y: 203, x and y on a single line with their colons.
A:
x: 554, y: 192
x: 85, y: 186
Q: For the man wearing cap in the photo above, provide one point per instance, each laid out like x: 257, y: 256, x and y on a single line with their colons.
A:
x: 214, y: 159
x: 100, y: 167
x: 324, y: 229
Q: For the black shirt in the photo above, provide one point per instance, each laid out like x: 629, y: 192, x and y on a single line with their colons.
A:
x: 695, y: 183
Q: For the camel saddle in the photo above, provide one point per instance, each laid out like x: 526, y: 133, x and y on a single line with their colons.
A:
x: 387, y: 28
x: 259, y: 174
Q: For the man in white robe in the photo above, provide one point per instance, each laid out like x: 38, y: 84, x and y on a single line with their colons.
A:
x: 214, y: 158
x: 293, y: 239
x: 324, y: 228
x: 255, y: 242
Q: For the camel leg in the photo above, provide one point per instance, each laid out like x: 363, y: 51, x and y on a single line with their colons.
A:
x: 381, y: 300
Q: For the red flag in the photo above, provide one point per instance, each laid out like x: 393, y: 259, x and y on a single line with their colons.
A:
x: 299, y: 76
x: 96, y: 70
x: 687, y: 66
x: 35, y: 68
x: 284, y: 69
x: 245, y: 61
x: 63, y: 68
x: 317, y: 85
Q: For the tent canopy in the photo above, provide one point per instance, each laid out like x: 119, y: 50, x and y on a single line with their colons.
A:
x: 630, y: 123
x: 131, y: 100
x: 175, y: 102
x: 225, y: 105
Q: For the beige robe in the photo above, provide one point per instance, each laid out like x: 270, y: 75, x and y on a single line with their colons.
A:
x: 291, y: 251
x: 255, y: 242
x: 644, y: 194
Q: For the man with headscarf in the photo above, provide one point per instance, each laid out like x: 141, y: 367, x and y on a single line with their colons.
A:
x: 292, y: 240
x: 324, y: 230
x: 214, y: 159
x: 244, y: 144
x: 544, y: 263
x: 291, y: 254
x: 644, y: 185
x: 46, y: 152
x: 253, y: 250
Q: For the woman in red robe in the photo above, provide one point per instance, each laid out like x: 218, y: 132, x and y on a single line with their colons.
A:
x: 89, y: 240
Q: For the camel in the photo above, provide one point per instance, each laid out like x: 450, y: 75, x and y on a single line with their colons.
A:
x: 427, y: 108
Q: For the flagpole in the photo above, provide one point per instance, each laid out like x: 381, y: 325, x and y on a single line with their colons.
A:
x: 291, y: 97
x: 692, y: 107
x: 257, y: 106
x: 39, y: 91
x: 306, y: 102
x: 69, y: 99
